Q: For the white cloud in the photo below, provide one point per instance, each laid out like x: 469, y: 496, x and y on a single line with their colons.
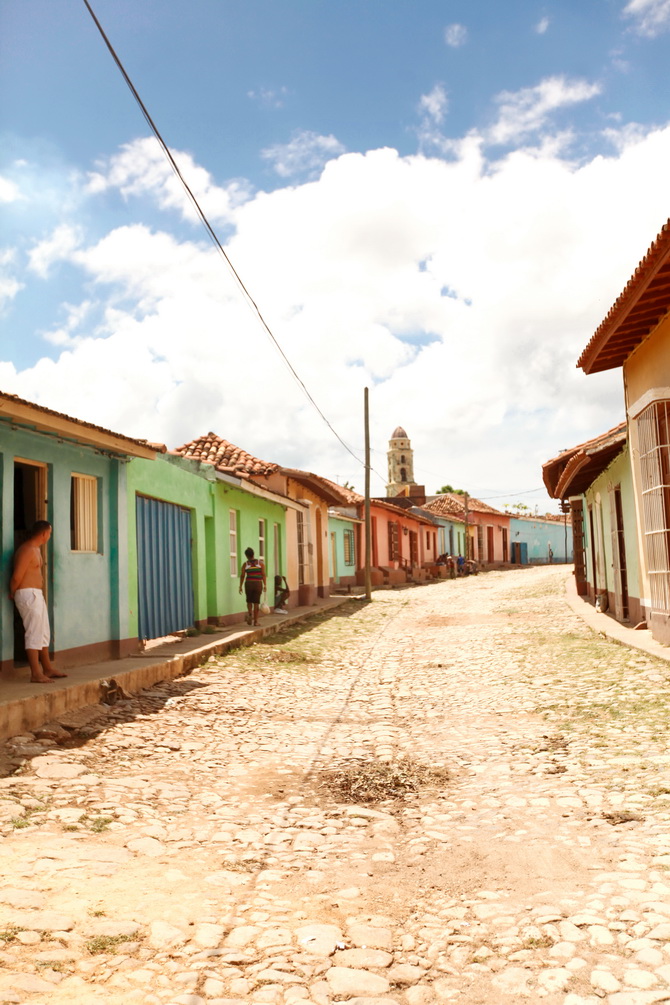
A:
x: 527, y: 110
x: 455, y: 35
x: 434, y: 105
x: 305, y: 154
x: 542, y: 25
x: 269, y: 97
x: 461, y: 292
x: 651, y: 17
x: 9, y: 190
x: 55, y: 248
x: 141, y: 168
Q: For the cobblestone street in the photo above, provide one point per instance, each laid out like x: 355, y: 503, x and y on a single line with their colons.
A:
x: 192, y: 850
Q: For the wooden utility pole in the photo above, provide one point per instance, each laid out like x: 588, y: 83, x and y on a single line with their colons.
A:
x: 368, y: 522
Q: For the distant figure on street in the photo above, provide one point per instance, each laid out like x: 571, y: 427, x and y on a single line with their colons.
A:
x: 282, y: 593
x: 26, y: 589
x: 460, y: 562
x: 252, y: 577
x: 551, y: 555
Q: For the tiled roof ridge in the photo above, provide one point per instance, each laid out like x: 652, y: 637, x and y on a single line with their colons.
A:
x: 353, y: 498
x: 210, y: 448
x: 595, y: 441
x: 658, y: 249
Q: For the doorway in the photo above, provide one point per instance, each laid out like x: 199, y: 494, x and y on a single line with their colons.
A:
x: 30, y: 504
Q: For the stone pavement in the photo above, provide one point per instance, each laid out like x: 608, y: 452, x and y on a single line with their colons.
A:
x: 25, y: 706
x: 195, y: 849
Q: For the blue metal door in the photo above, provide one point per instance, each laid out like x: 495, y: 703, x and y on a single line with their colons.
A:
x: 164, y: 570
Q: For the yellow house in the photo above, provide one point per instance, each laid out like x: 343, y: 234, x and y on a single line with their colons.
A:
x: 635, y: 335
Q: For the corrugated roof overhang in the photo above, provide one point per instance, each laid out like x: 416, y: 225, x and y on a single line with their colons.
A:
x: 27, y: 415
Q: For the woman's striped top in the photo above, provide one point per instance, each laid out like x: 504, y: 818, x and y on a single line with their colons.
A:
x: 254, y: 571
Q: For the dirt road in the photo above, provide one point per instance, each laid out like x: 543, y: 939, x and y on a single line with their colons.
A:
x: 457, y: 793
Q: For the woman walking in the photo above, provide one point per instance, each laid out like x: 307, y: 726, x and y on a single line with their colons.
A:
x: 252, y: 577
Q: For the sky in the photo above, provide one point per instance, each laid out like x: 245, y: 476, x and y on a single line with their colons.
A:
x: 439, y: 201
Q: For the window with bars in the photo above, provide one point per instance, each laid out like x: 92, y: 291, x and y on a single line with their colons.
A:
x: 302, y: 548
x: 232, y: 537
x: 349, y: 553
x: 83, y: 513
x: 394, y: 541
x: 261, y: 540
x: 654, y: 437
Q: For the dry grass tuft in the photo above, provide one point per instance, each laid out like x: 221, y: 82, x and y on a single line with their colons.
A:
x: 366, y: 781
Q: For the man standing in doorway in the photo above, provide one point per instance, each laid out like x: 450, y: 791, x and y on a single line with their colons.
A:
x: 26, y: 589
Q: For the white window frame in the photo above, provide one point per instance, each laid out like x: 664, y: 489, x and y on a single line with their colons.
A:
x: 653, y: 426
x: 83, y: 513
x: 232, y: 541
x: 261, y: 540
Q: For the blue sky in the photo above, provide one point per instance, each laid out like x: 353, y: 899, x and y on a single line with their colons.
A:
x: 437, y: 200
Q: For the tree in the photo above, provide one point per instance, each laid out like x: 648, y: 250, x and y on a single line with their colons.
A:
x: 517, y: 507
x: 450, y: 488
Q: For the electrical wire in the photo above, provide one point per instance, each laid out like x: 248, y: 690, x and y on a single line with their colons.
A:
x: 211, y: 232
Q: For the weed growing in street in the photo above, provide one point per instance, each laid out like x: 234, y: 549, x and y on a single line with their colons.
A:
x: 106, y: 943
x: 99, y: 824
x: 9, y: 934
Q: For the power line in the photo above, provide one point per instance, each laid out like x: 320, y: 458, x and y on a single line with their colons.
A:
x: 211, y: 232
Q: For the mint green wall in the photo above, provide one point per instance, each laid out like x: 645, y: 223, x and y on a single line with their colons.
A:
x: 618, y: 473
x: 195, y: 486
x: 443, y: 527
x: 87, y: 592
x: 250, y: 510
x: 337, y: 527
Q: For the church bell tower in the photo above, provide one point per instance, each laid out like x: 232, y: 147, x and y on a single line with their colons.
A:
x: 401, y: 464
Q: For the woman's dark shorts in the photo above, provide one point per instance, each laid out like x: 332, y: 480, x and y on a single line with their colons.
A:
x: 253, y: 591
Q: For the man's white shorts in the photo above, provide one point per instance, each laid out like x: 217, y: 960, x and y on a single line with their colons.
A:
x: 31, y: 606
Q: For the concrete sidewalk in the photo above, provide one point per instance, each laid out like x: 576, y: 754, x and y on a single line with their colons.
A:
x: 25, y: 706
x: 612, y: 629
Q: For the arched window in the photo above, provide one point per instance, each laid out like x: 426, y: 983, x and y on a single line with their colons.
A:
x: 403, y: 475
x: 402, y: 458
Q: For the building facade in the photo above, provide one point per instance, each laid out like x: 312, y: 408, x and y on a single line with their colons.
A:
x: 635, y: 336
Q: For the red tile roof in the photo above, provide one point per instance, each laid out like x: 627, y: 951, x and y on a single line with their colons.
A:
x: 225, y: 456
x: 574, y: 470
x: 446, y: 505
x: 636, y: 312
x: 350, y: 496
x: 453, y: 504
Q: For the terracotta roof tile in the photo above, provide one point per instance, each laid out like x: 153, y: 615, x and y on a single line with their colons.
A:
x: 446, y: 505
x: 644, y: 301
x: 225, y: 456
x: 352, y: 497
x: 452, y: 504
x: 572, y: 471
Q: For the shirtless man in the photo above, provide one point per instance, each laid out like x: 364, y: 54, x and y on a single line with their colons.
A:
x: 26, y: 589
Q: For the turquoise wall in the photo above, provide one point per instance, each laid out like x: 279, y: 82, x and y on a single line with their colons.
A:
x: 87, y: 593
x: 539, y: 535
